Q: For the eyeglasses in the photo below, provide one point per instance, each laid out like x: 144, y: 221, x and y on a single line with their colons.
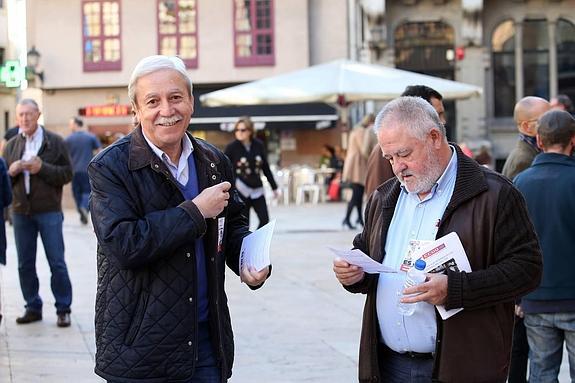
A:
x: 241, y: 130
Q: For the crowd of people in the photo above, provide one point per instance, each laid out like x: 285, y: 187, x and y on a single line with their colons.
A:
x: 170, y: 211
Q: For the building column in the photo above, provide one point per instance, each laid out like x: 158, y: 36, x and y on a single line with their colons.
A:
x: 519, y: 87
x: 553, y: 76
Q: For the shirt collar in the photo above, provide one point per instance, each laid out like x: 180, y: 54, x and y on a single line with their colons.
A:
x: 38, y: 134
x: 187, y: 149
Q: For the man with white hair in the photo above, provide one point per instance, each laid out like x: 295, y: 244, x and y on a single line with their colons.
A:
x: 438, y: 190
x: 39, y: 166
x: 167, y: 221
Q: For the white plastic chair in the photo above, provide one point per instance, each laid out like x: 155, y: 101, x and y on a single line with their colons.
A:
x: 306, y: 185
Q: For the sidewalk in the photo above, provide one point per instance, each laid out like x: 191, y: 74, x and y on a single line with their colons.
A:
x: 300, y: 327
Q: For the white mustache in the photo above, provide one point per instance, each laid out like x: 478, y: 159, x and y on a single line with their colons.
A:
x: 168, y: 120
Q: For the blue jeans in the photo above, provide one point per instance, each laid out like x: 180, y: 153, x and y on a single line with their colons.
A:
x: 546, y: 333
x: 26, y: 229
x: 81, y: 189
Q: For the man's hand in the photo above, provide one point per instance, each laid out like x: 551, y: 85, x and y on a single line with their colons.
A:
x: 345, y: 273
x: 433, y: 290
x: 519, y: 311
x: 33, y: 165
x: 212, y: 201
x: 253, y: 277
x: 15, y: 168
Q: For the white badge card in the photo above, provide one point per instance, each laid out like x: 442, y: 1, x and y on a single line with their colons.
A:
x: 221, y: 225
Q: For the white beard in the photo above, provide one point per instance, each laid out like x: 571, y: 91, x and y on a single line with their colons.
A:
x: 431, y: 173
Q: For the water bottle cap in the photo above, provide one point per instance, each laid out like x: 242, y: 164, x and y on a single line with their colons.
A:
x: 420, y: 264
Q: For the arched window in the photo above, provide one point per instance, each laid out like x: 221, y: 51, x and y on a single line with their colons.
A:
x: 503, y: 48
x: 536, y: 58
x: 428, y: 47
x: 565, y: 40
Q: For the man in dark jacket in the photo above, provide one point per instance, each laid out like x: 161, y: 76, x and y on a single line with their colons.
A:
x: 39, y: 166
x: 548, y: 187
x: 526, y: 113
x: 438, y: 190
x: 167, y: 222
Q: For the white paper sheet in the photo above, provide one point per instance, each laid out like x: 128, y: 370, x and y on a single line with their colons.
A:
x: 255, y: 251
x: 444, y: 253
x: 359, y: 258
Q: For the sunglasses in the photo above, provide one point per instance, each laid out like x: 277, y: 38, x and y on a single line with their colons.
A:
x: 241, y: 130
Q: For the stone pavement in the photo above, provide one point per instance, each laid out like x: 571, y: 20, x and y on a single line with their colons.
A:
x: 301, y: 327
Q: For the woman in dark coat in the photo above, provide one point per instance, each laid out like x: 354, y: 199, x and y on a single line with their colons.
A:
x: 249, y: 159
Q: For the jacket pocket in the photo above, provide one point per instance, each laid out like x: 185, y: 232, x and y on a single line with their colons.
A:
x: 137, y: 319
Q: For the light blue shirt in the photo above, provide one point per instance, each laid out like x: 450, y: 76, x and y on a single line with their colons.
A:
x: 412, y: 220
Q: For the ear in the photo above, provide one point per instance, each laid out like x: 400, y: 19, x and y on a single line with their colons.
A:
x: 436, y: 138
x: 539, y: 142
x: 192, y: 103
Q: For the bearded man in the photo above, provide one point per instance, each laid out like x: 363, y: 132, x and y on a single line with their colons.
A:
x: 438, y: 190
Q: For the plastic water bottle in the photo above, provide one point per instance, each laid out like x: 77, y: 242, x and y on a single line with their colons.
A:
x: 414, y: 277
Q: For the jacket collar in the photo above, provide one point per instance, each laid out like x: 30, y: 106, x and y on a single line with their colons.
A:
x: 141, y: 155
x: 470, y: 181
x: 554, y: 158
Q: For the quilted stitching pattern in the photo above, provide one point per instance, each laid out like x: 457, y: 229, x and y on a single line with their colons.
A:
x: 144, y: 319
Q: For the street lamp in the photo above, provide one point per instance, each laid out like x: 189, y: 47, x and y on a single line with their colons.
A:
x: 33, y: 58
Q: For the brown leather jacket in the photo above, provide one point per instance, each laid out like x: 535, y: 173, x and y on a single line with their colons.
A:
x: 45, y: 186
x: 490, y: 217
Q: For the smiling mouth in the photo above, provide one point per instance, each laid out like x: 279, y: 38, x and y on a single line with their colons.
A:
x: 168, y: 123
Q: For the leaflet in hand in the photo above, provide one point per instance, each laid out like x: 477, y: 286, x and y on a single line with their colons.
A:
x: 359, y: 258
x: 444, y: 253
x: 255, y: 251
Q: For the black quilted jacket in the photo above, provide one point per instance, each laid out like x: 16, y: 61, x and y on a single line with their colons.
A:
x: 146, y: 314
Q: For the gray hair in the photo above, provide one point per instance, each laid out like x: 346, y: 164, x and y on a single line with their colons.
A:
x: 29, y: 101
x: 556, y: 127
x: 155, y: 63
x: 416, y: 114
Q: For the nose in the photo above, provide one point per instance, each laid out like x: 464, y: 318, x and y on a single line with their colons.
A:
x: 398, y: 166
x: 166, y: 108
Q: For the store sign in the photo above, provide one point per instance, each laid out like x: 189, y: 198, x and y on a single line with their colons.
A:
x: 111, y: 110
x: 12, y: 74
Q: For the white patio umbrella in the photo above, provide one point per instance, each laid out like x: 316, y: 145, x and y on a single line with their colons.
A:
x: 338, y: 82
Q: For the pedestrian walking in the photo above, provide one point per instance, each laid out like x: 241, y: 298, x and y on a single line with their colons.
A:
x: 526, y: 113
x: 249, y: 159
x: 549, y: 311
x: 439, y: 190
x: 39, y: 166
x: 355, y: 170
x: 82, y: 146
x: 167, y: 220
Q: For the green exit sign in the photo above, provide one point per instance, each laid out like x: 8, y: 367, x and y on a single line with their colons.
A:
x: 12, y: 73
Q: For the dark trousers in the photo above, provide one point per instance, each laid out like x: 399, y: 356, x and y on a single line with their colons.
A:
x: 356, y: 201
x: 81, y: 189
x: 260, y: 207
x: 401, y: 368
x: 519, y: 353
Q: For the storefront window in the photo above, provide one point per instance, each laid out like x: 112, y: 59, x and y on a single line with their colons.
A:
x: 565, y: 40
x: 503, y: 47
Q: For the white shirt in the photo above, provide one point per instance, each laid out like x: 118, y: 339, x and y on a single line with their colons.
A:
x: 31, y: 148
x: 413, y: 219
x: 181, y: 171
